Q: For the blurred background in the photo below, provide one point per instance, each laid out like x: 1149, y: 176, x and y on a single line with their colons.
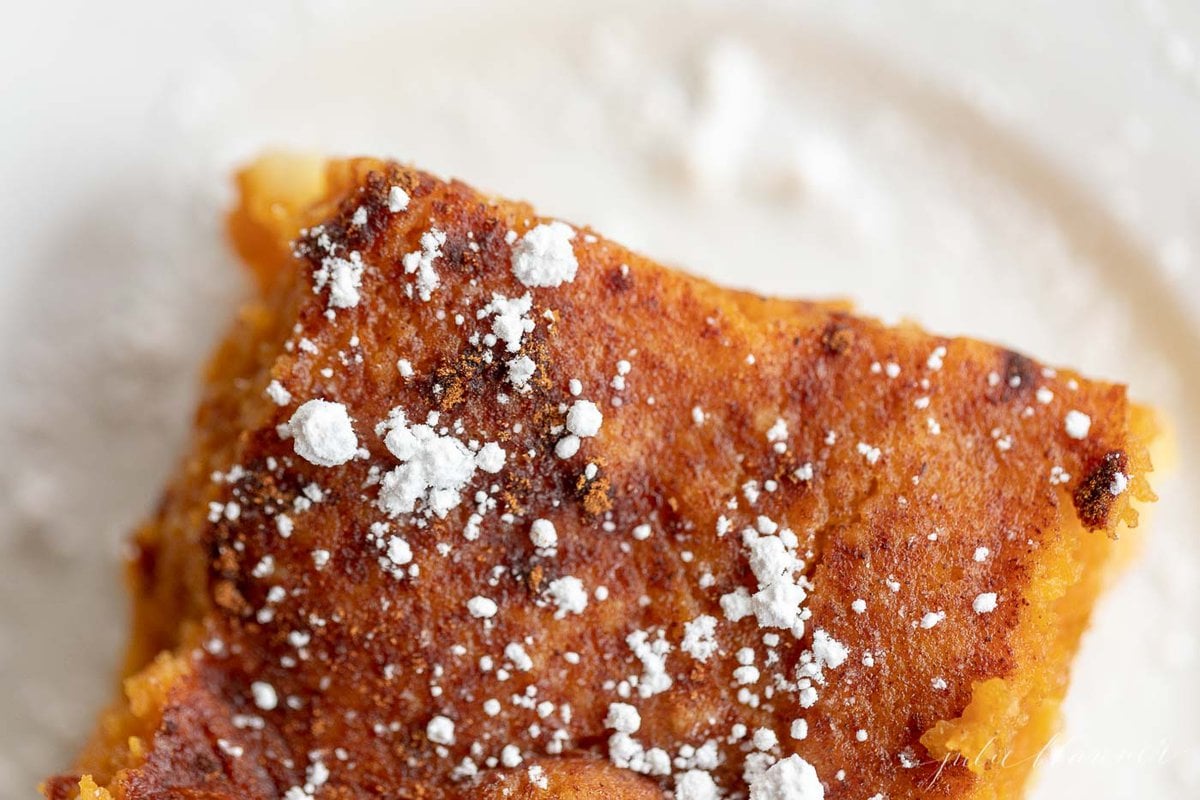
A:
x: 1025, y: 172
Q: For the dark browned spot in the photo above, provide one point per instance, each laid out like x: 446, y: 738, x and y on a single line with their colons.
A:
x: 61, y: 787
x: 459, y: 378
x: 458, y: 253
x: 1093, y: 496
x: 712, y: 326
x: 618, y: 279
x: 373, y: 199
x: 837, y: 337
x: 475, y: 242
x: 1017, y: 377
x: 145, y: 562
x: 342, y: 232
x: 371, y: 196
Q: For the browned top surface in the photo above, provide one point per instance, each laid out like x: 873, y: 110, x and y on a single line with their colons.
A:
x: 361, y: 660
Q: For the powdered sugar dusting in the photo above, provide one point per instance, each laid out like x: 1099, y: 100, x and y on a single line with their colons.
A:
x: 544, y: 256
x: 322, y: 433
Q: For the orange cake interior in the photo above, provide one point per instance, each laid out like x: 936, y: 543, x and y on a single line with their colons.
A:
x: 479, y: 504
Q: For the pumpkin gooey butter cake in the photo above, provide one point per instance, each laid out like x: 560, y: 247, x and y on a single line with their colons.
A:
x: 479, y: 504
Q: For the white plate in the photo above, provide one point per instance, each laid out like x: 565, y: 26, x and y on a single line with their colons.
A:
x: 914, y: 164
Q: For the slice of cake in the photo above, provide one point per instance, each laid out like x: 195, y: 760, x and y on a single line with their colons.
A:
x: 480, y: 504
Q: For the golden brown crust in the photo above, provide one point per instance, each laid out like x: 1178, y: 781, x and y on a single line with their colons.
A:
x: 904, y: 454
